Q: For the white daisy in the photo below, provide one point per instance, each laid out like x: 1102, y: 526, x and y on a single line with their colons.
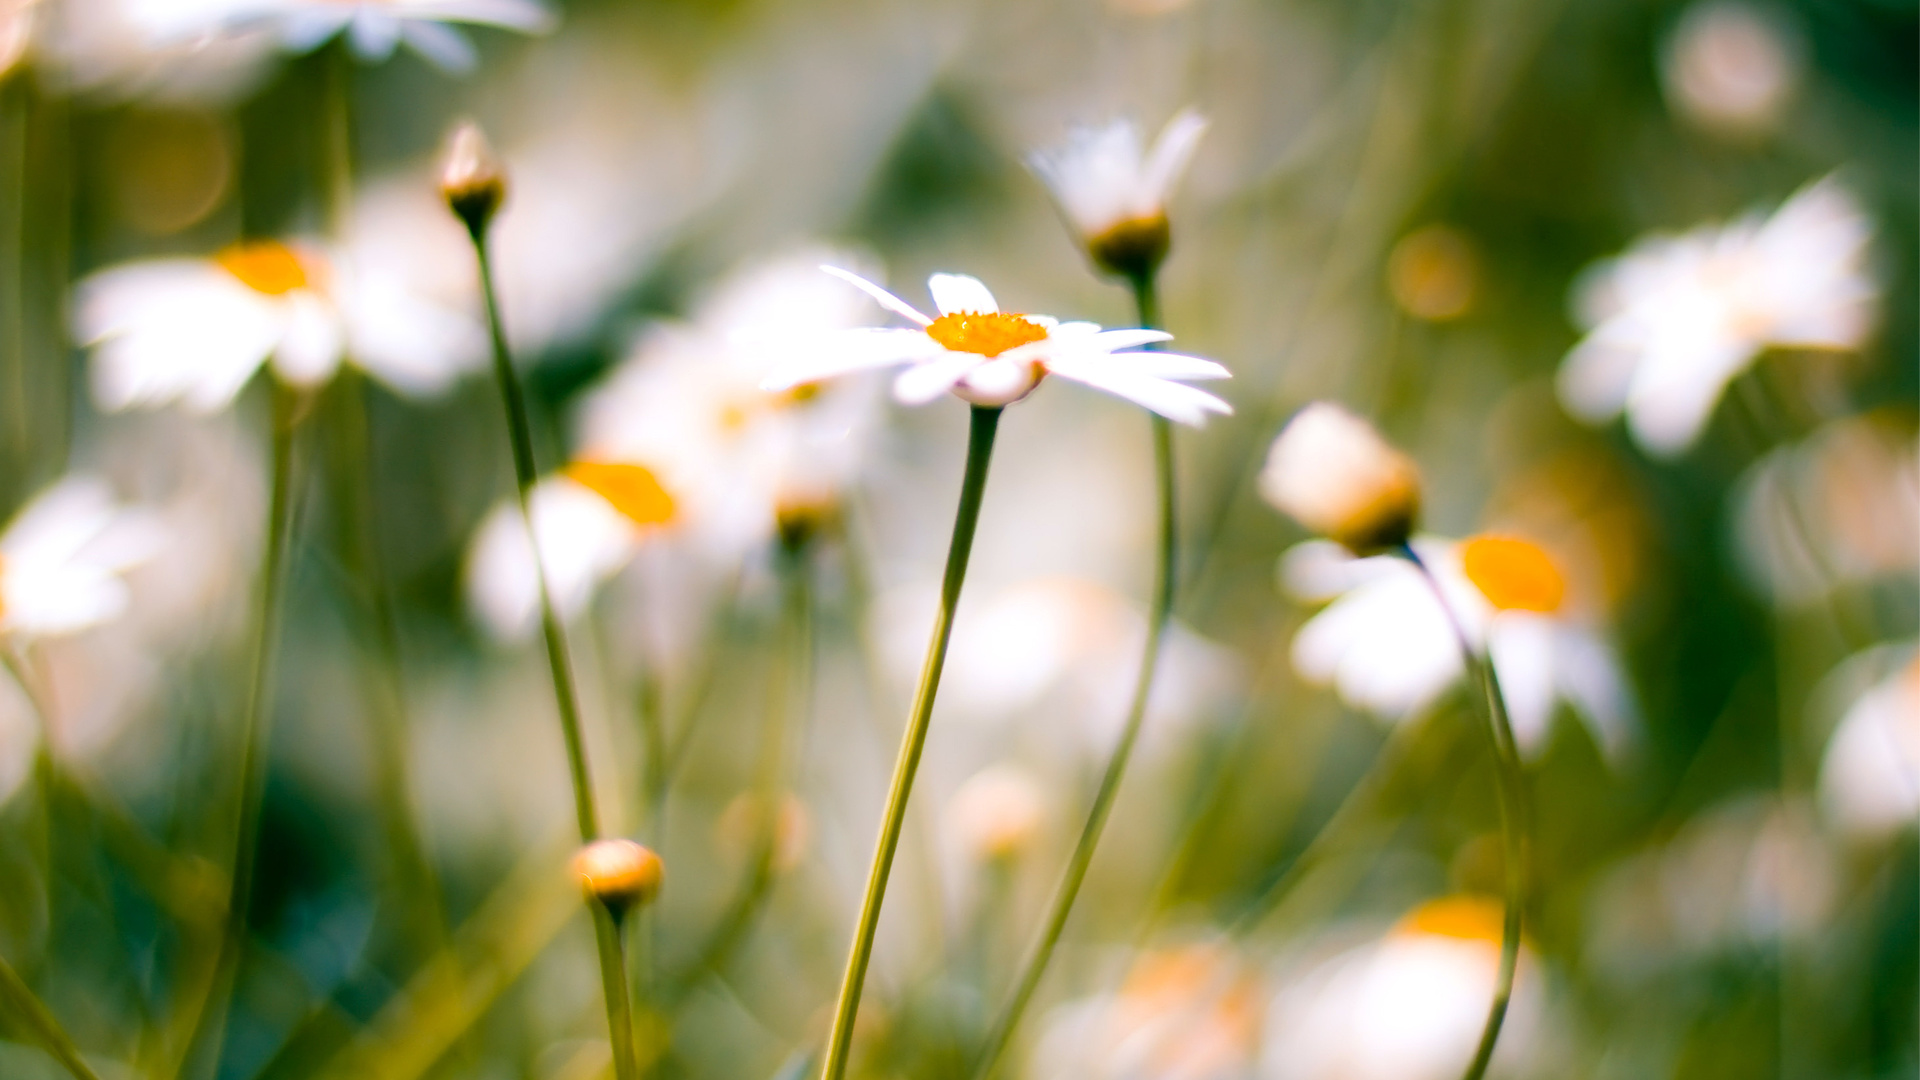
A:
x: 62, y: 557
x: 1115, y: 193
x: 1675, y: 319
x: 195, y: 330
x: 374, y: 28
x: 1386, y: 645
x: 1330, y: 471
x: 995, y: 358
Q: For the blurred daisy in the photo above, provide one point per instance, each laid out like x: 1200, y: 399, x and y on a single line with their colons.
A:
x: 995, y: 358
x: 1407, y: 1006
x: 195, y: 330
x: 1114, y: 193
x: 996, y: 814
x: 63, y: 556
x: 1675, y: 319
x: 1330, y: 471
x: 1870, y: 776
x: 373, y: 28
x: 1182, y: 1014
x: 1386, y: 645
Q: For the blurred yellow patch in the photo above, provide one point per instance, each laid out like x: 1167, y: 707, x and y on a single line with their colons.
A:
x: 985, y: 334
x: 1434, y: 274
x: 1513, y: 574
x: 632, y: 489
x: 265, y: 266
x: 1469, y: 918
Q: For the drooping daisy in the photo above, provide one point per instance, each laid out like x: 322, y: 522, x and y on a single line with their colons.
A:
x: 994, y: 358
x: 1675, y: 319
x: 62, y: 557
x: 373, y: 28
x: 1386, y: 645
x: 1330, y: 471
x: 195, y: 330
x: 1114, y: 193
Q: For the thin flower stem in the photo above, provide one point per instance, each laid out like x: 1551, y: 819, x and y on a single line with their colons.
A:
x: 17, y: 1000
x: 613, y: 968
x: 1515, y: 826
x: 1147, y: 301
x: 985, y: 423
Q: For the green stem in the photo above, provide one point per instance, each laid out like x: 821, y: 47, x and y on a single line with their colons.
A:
x: 985, y: 423
x: 1515, y: 827
x: 608, y: 936
x: 18, y: 1000
x: 520, y: 432
x: 1146, y: 300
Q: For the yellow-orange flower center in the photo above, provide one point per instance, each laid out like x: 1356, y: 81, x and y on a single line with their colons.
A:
x: 631, y: 489
x: 1513, y: 574
x: 1469, y: 918
x: 985, y: 333
x: 265, y: 266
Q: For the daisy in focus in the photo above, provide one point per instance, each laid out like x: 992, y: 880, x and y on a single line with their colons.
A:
x: 1675, y: 319
x: 373, y: 28
x: 993, y: 358
x: 63, y: 556
x: 1114, y: 193
x: 194, y: 330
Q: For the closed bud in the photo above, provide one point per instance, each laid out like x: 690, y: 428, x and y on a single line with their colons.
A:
x: 471, y: 179
x: 1330, y: 471
x: 618, y: 872
x: 1133, y: 248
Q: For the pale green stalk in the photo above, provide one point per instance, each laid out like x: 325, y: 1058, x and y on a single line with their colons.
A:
x: 613, y: 974
x: 1147, y: 301
x: 17, y: 1000
x: 985, y: 422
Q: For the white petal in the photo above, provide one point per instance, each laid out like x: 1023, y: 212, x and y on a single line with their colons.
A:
x: 1162, y: 365
x: 884, y: 298
x: 1591, y: 679
x: 372, y: 34
x: 1521, y: 647
x: 955, y: 293
x: 1115, y: 340
x: 1175, y: 401
x: 526, y: 16
x: 173, y: 329
x: 850, y: 351
x: 444, y: 47
x: 929, y: 379
x: 1172, y: 152
x: 583, y: 541
x: 310, y: 348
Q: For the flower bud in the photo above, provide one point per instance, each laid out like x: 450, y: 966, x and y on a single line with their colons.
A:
x: 618, y: 872
x: 1330, y: 471
x: 1133, y: 248
x: 471, y: 179
x: 997, y: 813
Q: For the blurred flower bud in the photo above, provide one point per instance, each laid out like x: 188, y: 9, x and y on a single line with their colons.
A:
x: 471, y: 178
x: 1133, y: 248
x: 997, y: 813
x: 1513, y: 574
x: 801, y: 517
x: 1330, y: 471
x: 1114, y: 191
x: 1731, y: 69
x: 618, y: 872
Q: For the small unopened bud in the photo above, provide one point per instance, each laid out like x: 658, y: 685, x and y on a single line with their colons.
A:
x: 801, y: 517
x: 618, y: 872
x: 997, y: 813
x: 471, y: 179
x: 1133, y: 248
x: 1330, y: 471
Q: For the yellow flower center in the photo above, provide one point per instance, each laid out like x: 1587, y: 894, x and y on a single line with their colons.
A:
x: 1469, y: 918
x: 1513, y: 574
x: 265, y: 266
x: 986, y: 334
x: 631, y: 489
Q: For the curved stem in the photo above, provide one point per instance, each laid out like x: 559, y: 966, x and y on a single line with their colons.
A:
x: 613, y: 972
x: 985, y: 423
x: 1147, y: 302
x: 1515, y: 827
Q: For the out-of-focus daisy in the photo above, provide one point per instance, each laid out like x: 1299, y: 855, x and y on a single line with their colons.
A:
x: 195, y: 330
x: 1676, y: 318
x: 1114, y: 192
x: 1731, y: 68
x: 373, y: 28
x: 1386, y: 645
x: 1191, y: 1013
x: 63, y: 556
x: 1407, y: 1006
x: 1329, y: 470
x: 997, y: 813
x: 993, y: 358
x: 1841, y: 507
x: 1870, y: 776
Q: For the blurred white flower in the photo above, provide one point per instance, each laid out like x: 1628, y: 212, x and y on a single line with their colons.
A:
x: 17, y: 18
x: 1330, y: 471
x: 195, y: 330
x: 1675, y: 319
x: 997, y: 812
x: 1191, y: 1013
x: 1731, y: 68
x: 1870, y: 776
x: 1385, y: 644
x: 994, y: 358
x: 63, y: 556
x: 588, y: 521
x: 1114, y: 193
x: 373, y: 28
x: 1840, y: 507
x: 110, y: 48
x: 1407, y: 1006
